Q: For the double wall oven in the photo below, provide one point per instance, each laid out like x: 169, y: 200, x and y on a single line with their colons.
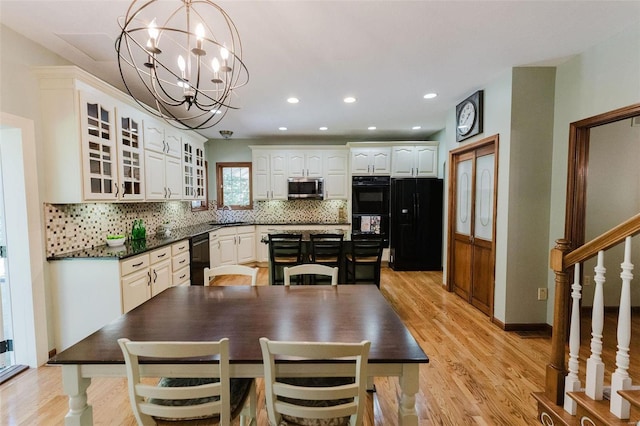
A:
x: 370, y: 205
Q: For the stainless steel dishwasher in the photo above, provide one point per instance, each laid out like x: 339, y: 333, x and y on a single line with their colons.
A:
x: 199, y: 246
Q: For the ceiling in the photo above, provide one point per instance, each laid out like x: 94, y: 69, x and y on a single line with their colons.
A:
x: 387, y: 54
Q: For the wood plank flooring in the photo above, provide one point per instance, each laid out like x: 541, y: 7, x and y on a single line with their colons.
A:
x: 478, y: 374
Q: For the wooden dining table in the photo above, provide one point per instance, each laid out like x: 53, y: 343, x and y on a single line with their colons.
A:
x: 347, y: 313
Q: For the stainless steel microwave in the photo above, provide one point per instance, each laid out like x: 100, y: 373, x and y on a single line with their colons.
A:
x: 306, y: 188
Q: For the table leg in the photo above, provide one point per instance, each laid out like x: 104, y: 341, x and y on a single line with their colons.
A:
x: 409, y: 382
x: 74, y: 385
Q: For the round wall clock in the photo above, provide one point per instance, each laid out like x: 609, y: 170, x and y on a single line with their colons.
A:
x: 469, y: 116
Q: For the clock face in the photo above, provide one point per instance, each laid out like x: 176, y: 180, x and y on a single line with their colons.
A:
x: 466, y: 118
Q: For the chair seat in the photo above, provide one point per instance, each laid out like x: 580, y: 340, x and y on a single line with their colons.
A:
x: 239, y: 390
x: 327, y: 259
x: 292, y: 259
x: 368, y: 259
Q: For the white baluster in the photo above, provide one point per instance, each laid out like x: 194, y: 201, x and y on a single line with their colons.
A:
x: 595, y: 366
x: 572, y: 382
x: 620, y: 378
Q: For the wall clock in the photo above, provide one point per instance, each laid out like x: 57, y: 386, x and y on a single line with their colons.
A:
x: 469, y: 117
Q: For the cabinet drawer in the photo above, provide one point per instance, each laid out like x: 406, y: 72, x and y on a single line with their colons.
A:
x: 245, y: 229
x: 222, y: 232
x: 180, y: 261
x: 160, y: 254
x: 134, y: 264
x: 180, y: 276
x: 181, y: 247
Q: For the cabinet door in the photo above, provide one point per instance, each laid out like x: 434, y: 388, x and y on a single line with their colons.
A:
x: 262, y: 249
x: 100, y: 171
x: 426, y: 161
x: 296, y: 164
x: 154, y: 136
x: 380, y: 159
x: 154, y: 171
x: 335, y: 174
x: 214, y: 251
x: 402, y: 161
x: 160, y: 277
x: 130, y: 154
x: 188, y: 169
x: 201, y: 176
x: 313, y: 162
x: 278, y: 164
x: 261, y: 170
x: 360, y: 161
x: 227, y: 247
x: 173, y: 142
x: 173, y: 178
x: 246, y: 247
x: 135, y: 289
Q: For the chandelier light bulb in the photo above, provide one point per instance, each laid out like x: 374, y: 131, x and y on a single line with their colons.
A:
x: 215, y: 64
x: 224, y: 53
x: 153, y: 31
x: 200, y: 32
x: 181, y: 64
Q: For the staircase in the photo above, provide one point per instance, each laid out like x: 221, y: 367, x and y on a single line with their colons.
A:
x: 575, y: 391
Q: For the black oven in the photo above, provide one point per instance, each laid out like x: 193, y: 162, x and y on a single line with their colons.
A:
x: 370, y: 205
x: 199, y: 246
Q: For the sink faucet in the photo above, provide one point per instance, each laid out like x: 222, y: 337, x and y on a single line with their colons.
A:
x: 223, y: 209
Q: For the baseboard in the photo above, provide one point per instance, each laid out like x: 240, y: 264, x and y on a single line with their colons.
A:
x: 52, y: 353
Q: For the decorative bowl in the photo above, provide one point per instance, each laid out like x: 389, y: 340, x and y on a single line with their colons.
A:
x: 115, y: 242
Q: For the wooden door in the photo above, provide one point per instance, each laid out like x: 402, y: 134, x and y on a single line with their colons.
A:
x: 472, y: 204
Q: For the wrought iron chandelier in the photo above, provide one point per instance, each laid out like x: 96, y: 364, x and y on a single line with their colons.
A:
x: 170, y: 57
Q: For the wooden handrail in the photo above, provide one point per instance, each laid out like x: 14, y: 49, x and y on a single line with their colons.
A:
x: 605, y: 241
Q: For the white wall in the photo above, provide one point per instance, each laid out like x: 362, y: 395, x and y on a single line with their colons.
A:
x: 601, y: 79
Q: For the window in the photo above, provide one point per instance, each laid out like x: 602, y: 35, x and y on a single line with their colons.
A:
x: 234, y: 185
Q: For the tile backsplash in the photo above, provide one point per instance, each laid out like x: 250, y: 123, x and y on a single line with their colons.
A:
x: 71, y: 227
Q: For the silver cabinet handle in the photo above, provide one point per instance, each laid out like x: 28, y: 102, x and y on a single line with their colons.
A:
x: 239, y: 239
x: 117, y: 189
x: 369, y: 168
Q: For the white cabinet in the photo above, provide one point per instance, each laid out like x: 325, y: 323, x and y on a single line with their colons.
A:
x: 269, y: 170
x: 415, y: 161
x: 371, y: 161
x: 232, y: 245
x: 130, y: 154
x: 180, y: 262
x: 193, y: 169
x: 163, y: 150
x: 336, y: 174
x: 305, y: 163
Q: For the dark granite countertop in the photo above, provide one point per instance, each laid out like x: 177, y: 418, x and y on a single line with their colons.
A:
x: 154, y: 241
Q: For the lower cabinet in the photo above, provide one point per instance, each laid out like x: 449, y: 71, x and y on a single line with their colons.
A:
x: 89, y: 293
x: 232, y: 245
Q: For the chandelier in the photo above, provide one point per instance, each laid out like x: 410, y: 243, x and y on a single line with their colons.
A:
x: 184, y: 60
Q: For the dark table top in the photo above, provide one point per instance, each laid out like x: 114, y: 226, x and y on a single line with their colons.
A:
x: 244, y: 314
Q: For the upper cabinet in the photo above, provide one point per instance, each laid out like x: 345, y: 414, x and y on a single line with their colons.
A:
x: 336, y: 174
x: 100, y: 146
x: 419, y: 160
x: 193, y: 169
x: 269, y: 171
x: 305, y: 163
x: 371, y: 160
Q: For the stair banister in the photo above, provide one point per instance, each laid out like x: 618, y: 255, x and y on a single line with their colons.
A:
x: 572, y: 382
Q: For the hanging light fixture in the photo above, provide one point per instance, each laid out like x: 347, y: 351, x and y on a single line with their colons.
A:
x: 175, y: 66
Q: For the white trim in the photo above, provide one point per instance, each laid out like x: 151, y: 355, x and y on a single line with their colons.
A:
x: 25, y: 239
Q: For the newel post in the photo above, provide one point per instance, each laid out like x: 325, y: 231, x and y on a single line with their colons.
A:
x: 556, y: 369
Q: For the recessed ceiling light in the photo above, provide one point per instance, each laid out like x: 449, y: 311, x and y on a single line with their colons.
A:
x: 416, y: 128
x: 324, y: 128
x: 430, y: 95
x: 282, y: 128
x: 349, y: 100
x: 293, y: 100
x: 371, y: 127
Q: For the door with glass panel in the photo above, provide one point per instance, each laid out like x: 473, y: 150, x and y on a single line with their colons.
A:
x: 7, y: 358
x: 472, y: 204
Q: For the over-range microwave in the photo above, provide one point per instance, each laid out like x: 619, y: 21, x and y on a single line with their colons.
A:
x: 306, y: 188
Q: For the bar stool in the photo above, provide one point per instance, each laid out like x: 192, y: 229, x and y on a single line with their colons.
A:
x: 366, y: 252
x: 284, y: 250
x: 326, y: 249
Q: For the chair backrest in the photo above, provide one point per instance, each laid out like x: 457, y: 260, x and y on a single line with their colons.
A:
x: 146, y: 399
x: 366, y: 249
x: 326, y: 248
x: 285, y: 246
x: 311, y: 269
x: 230, y: 270
x: 354, y: 393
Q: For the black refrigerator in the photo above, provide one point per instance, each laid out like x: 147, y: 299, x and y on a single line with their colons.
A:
x: 416, y: 224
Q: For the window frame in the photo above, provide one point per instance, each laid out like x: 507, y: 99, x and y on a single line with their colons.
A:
x: 219, y: 184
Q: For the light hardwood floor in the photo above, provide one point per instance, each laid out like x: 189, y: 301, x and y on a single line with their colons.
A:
x: 477, y: 375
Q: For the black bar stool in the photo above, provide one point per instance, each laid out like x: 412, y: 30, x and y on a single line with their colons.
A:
x: 365, y: 253
x: 326, y: 249
x: 284, y: 250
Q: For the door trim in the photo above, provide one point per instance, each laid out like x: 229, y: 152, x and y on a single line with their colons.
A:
x: 491, y: 141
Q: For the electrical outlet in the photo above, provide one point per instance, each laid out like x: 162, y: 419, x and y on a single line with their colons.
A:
x: 586, y: 280
x: 542, y: 294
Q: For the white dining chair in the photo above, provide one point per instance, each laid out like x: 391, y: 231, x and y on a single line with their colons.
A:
x: 310, y: 269
x: 184, y: 398
x: 209, y: 273
x: 327, y: 399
